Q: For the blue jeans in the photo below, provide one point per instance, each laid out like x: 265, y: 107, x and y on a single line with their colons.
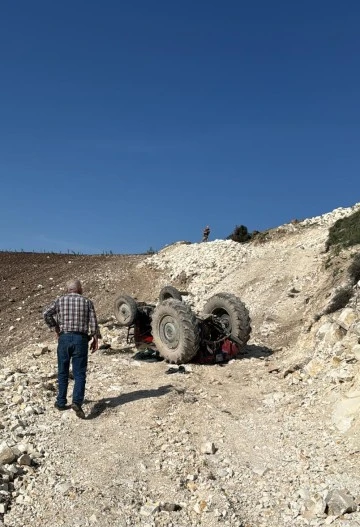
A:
x: 72, y: 347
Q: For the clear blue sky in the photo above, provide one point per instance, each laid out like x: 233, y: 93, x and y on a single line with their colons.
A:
x: 129, y: 125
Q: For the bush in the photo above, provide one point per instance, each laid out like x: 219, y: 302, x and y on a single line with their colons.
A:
x: 240, y: 234
x: 354, y: 269
x: 339, y: 300
x: 345, y: 232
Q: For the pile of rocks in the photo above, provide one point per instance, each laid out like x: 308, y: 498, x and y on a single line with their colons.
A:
x: 330, y: 218
x: 208, y: 267
x: 25, y: 391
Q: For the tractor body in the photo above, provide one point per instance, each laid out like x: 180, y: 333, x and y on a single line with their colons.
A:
x: 171, y: 327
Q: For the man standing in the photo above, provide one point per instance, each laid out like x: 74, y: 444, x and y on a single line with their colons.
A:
x: 73, y: 318
x: 206, y: 233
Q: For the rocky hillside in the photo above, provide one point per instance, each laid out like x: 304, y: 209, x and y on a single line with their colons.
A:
x: 270, y: 439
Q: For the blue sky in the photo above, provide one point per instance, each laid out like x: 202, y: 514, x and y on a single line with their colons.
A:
x: 130, y: 125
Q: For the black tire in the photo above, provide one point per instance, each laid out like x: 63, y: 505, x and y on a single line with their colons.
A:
x: 125, y: 308
x: 175, y: 331
x: 233, y: 312
x: 168, y: 292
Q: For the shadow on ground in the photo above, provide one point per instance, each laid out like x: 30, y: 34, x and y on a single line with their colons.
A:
x: 253, y: 351
x: 249, y: 352
x: 118, y: 351
x: 113, y: 402
x: 151, y: 355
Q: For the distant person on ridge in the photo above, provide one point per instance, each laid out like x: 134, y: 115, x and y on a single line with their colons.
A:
x: 206, y: 233
x: 73, y: 318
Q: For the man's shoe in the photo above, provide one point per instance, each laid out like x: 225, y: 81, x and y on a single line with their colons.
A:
x: 78, y: 410
x: 58, y: 407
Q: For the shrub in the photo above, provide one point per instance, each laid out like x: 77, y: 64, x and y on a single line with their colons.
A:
x: 354, y: 269
x: 339, y: 300
x: 345, y: 232
x: 240, y: 234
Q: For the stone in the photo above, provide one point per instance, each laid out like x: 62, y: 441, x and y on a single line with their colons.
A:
x: 356, y: 328
x: 314, y: 507
x: 17, y: 399
x: 24, y: 459
x: 346, y: 410
x: 149, y: 509
x: 63, y: 487
x: 208, y: 448
x: 314, y: 367
x: 41, y: 351
x: 341, y: 375
x: 346, y: 318
x: 329, y: 334
x: 6, y: 454
x: 339, y: 502
x: 260, y: 470
x: 356, y: 351
x: 324, y: 329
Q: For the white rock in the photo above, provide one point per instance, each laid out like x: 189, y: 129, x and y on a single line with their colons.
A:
x: 208, y: 448
x: 346, y: 410
x: 149, y: 509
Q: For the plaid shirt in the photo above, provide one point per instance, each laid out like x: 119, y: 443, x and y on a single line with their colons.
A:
x: 72, y: 312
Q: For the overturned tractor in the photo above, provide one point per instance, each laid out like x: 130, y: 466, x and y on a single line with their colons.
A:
x: 217, y: 334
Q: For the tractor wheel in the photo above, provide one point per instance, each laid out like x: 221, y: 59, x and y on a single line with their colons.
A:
x: 169, y: 292
x: 175, y: 331
x: 125, y: 308
x: 233, y: 312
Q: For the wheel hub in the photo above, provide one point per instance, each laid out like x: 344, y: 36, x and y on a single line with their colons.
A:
x: 225, y: 319
x: 125, y: 312
x: 169, y: 332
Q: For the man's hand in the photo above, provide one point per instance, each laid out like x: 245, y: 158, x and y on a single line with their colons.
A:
x: 94, y: 344
x: 57, y: 331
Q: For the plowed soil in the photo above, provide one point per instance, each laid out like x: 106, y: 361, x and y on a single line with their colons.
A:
x: 29, y: 281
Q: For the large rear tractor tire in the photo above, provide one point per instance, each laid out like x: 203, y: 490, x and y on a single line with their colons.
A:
x: 175, y: 331
x: 168, y: 292
x: 125, y: 309
x: 233, y: 313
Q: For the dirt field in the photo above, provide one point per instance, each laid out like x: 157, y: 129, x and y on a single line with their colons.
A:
x: 29, y: 281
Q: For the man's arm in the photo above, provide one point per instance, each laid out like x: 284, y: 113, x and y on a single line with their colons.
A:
x: 48, y: 315
x: 93, y: 328
x: 50, y: 321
